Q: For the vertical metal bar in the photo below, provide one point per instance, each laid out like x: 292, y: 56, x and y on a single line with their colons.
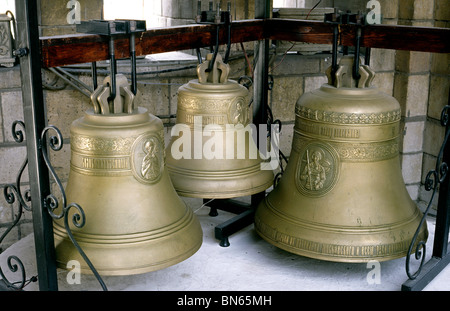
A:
x: 35, y: 121
x: 133, y: 63
x: 261, y: 89
x: 443, y: 212
x: 94, y: 74
x: 113, y: 66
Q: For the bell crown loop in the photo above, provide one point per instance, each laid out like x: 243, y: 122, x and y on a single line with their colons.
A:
x: 219, y: 72
x: 122, y: 103
x: 343, y: 75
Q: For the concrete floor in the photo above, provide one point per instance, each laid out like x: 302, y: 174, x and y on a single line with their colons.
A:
x: 248, y: 264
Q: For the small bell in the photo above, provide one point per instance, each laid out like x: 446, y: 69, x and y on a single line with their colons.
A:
x: 212, y: 153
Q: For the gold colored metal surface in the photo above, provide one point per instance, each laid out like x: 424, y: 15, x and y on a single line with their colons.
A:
x: 135, y: 221
x: 218, y: 157
x: 342, y: 196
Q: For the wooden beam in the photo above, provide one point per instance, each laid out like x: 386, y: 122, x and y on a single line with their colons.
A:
x: 421, y: 39
x: 397, y: 37
x: 83, y: 48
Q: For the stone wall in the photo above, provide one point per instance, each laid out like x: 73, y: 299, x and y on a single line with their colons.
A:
x: 420, y: 81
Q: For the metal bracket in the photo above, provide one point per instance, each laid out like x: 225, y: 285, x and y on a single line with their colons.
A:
x: 218, y: 18
x: 112, y: 28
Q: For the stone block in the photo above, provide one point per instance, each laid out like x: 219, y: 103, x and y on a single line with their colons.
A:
x: 385, y: 82
x: 9, y: 239
x: 442, y: 24
x: 382, y: 59
x: 442, y: 10
x: 413, y: 191
x: 10, y: 77
x: 440, y: 63
x: 439, y: 92
x: 6, y: 211
x: 389, y: 8
x: 411, y: 167
x: 433, y: 137
x: 425, y: 197
x: 423, y: 9
x: 416, y: 9
x: 314, y: 82
x: 412, y: 93
x: 180, y: 9
x: 12, y: 110
x: 49, y: 31
x: 412, y: 138
x: 295, y: 65
x: 286, y: 135
x: 60, y: 161
x: 412, y: 62
x: 429, y: 164
x: 174, y: 85
x: 54, y: 12
x: 12, y: 159
x: 153, y: 94
x: 65, y: 106
x: 285, y: 93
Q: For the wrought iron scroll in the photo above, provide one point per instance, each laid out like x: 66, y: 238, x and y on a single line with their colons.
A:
x: 274, y: 125
x: 52, y: 202
x: 12, y: 192
x: 433, y: 179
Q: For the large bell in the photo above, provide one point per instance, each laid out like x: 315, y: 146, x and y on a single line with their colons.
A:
x: 212, y: 153
x: 342, y: 196
x: 135, y: 221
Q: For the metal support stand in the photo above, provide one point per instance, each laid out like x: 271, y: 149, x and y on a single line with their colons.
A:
x: 245, y: 216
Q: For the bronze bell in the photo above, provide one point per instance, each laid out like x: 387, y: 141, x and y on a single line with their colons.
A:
x: 342, y: 196
x: 135, y: 221
x: 212, y: 153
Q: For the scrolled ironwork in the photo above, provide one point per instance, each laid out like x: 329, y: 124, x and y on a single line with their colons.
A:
x: 52, y: 203
x: 12, y: 193
x: 433, y: 179
x: 19, y: 138
x: 14, y: 267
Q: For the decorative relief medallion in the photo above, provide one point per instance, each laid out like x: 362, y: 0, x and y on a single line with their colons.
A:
x: 238, y: 111
x: 348, y: 118
x: 147, y: 158
x: 317, y: 169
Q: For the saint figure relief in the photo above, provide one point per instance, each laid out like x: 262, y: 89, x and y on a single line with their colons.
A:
x: 239, y: 113
x: 314, y: 173
x: 151, y: 167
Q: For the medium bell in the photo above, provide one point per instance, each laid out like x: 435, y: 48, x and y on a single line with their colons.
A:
x: 212, y: 153
x: 342, y: 196
x: 135, y: 221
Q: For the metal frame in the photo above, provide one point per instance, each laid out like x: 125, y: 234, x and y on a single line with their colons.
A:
x: 29, y: 51
x: 440, y: 258
x: 35, y: 120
